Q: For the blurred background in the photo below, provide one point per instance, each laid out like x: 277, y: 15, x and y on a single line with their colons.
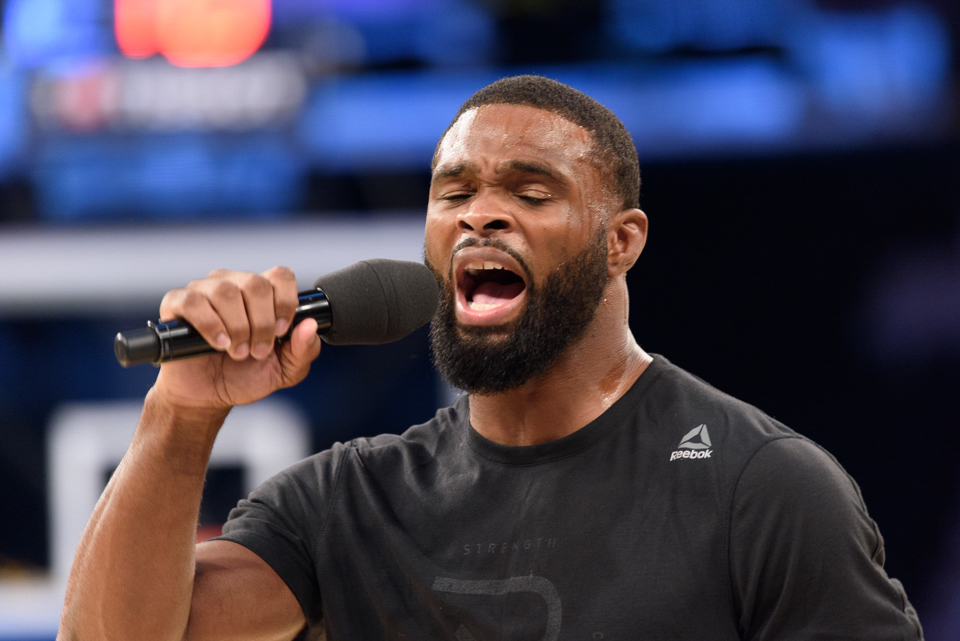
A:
x: 801, y: 172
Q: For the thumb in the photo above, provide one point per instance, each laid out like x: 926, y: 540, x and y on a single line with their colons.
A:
x: 299, y: 352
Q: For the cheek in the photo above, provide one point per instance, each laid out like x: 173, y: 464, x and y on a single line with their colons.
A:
x: 558, y: 238
x: 434, y: 240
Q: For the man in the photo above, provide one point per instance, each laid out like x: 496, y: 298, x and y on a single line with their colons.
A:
x: 583, y: 489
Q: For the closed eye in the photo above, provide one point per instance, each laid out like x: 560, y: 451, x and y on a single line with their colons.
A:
x: 534, y: 197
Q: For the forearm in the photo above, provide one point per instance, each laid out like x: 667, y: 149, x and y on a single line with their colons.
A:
x: 133, y: 573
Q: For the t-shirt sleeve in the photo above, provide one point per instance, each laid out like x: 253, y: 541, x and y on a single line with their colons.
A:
x: 281, y: 521
x: 806, y: 560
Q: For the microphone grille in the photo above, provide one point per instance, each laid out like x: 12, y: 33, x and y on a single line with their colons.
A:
x: 378, y: 301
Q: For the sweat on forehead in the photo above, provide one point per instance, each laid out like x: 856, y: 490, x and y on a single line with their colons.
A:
x: 614, y: 154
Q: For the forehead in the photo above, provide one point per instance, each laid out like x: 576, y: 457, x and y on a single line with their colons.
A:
x: 494, y: 133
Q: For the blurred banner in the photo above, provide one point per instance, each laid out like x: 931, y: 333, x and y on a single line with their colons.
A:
x: 223, y: 108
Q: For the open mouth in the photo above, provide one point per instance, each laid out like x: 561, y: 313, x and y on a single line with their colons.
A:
x: 488, y: 292
x: 487, y: 285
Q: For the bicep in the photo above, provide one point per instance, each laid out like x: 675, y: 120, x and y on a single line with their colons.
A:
x: 238, y: 596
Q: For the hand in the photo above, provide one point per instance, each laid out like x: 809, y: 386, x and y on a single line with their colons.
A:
x: 241, y: 314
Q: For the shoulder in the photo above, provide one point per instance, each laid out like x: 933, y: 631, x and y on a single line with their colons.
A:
x: 798, y: 463
x: 417, y: 445
x: 687, y: 411
x: 761, y: 458
x: 799, y: 485
x: 306, y: 490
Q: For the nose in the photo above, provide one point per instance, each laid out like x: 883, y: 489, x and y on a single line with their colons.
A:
x: 484, y: 216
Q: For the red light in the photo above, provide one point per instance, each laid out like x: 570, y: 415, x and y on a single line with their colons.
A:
x: 136, y: 26
x: 192, y: 33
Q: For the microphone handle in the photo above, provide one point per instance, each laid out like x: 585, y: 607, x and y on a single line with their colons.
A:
x: 161, y: 342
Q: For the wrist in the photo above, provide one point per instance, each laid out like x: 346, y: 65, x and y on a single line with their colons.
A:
x: 167, y: 402
x: 181, y: 432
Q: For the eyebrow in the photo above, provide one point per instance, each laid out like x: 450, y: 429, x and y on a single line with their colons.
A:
x: 535, y: 168
x: 452, y: 171
x: 522, y: 166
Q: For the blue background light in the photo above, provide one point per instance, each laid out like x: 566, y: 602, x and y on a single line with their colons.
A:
x: 168, y: 178
x: 14, y: 123
x: 39, y: 32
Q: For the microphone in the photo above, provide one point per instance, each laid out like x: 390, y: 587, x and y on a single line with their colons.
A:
x: 369, y: 303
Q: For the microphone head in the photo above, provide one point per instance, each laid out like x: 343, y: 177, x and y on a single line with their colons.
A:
x: 378, y: 301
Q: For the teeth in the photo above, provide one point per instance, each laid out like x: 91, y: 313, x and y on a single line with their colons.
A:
x: 478, y: 265
x: 480, y: 306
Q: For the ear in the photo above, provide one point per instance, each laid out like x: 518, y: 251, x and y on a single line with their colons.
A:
x: 626, y: 236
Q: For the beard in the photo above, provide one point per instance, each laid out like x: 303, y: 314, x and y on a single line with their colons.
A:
x: 490, y: 360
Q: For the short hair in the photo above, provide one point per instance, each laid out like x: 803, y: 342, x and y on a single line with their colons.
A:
x: 616, y: 156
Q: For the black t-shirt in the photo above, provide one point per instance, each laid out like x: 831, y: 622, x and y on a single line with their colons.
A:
x: 680, y: 513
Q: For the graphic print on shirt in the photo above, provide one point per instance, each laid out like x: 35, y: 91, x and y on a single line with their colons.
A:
x: 518, y: 584
x: 695, y: 445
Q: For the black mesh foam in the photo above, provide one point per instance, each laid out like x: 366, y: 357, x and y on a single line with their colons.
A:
x: 378, y: 301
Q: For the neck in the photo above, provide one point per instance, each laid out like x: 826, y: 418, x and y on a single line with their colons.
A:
x: 589, y: 377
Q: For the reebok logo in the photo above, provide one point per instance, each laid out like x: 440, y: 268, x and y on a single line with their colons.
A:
x: 696, y: 444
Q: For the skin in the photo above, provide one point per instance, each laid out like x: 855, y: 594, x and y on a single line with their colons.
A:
x: 525, y: 177
x: 179, y: 590
x: 513, y: 173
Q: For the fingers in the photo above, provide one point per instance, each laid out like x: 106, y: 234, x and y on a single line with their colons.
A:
x: 261, y: 321
x: 241, y: 312
x: 192, y: 305
x: 228, y: 301
x: 299, y: 352
x: 285, y: 296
